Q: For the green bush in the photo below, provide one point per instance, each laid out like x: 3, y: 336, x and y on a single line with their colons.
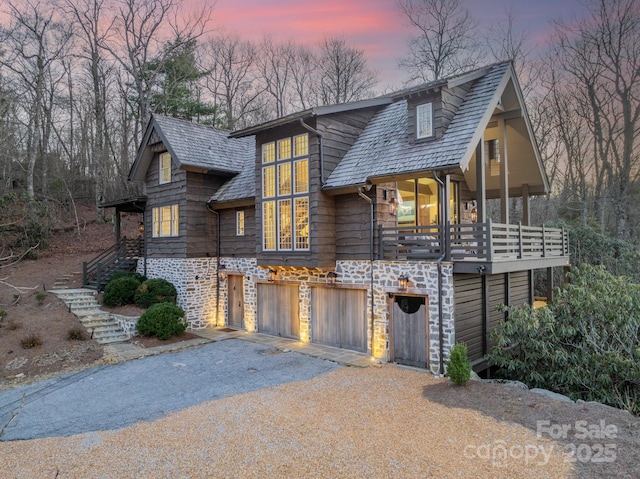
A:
x: 154, y: 291
x: 120, y: 291
x: 458, y: 365
x: 128, y: 274
x: 585, y: 344
x: 162, y: 320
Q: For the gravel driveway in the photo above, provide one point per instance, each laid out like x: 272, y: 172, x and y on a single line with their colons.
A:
x: 112, y: 397
x: 376, y: 422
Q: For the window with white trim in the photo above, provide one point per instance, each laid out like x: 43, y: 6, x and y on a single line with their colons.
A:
x: 285, y: 194
x: 239, y: 223
x: 424, y: 120
x: 165, y: 168
x: 165, y: 221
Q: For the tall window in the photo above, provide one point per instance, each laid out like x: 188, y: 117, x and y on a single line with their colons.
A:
x: 165, y: 221
x: 424, y: 120
x: 239, y: 223
x: 165, y: 168
x: 285, y: 194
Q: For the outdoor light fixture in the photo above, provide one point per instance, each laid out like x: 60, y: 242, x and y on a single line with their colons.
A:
x: 222, y: 269
x: 273, y: 275
x: 332, y: 277
x: 474, y: 215
x: 393, y: 205
x: 403, y: 282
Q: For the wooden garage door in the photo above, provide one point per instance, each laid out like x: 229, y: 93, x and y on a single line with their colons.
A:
x: 339, y: 318
x: 278, y: 310
x: 469, y: 313
x: 409, y: 336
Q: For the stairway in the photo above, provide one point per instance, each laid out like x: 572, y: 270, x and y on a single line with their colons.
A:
x: 100, y: 324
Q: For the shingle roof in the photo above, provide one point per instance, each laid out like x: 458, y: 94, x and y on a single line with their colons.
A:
x: 239, y: 187
x: 383, y: 148
x: 204, y: 147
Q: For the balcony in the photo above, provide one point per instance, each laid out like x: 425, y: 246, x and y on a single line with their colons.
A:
x: 479, y: 247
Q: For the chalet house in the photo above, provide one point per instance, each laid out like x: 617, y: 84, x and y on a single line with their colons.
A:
x: 362, y: 225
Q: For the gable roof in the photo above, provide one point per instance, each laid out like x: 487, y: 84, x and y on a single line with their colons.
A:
x: 315, y: 111
x: 194, y: 146
x: 383, y: 149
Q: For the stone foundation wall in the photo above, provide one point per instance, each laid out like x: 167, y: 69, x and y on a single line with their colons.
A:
x: 195, y: 280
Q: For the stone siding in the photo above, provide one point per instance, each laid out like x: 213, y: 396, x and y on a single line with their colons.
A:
x: 205, y: 305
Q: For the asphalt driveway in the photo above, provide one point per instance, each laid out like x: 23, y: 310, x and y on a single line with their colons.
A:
x: 115, y: 396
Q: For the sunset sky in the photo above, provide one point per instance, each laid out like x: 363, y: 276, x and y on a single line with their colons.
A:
x: 373, y: 25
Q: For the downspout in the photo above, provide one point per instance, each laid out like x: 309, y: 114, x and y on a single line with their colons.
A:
x: 371, y: 253
x: 321, y: 145
x: 217, y: 259
x: 439, y: 263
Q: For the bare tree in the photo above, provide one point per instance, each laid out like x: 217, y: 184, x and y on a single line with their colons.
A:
x: 233, y: 78
x: 140, y: 31
x: 275, y: 63
x: 36, y: 42
x: 343, y: 74
x: 601, y: 59
x: 445, y: 43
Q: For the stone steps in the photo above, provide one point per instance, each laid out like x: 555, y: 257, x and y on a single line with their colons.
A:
x: 100, y: 324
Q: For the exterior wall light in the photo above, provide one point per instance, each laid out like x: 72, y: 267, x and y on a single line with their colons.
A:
x: 273, y: 275
x: 332, y: 277
x: 403, y: 282
x: 222, y: 270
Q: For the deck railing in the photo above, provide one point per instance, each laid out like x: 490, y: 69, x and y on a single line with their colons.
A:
x: 119, y: 257
x: 472, y: 242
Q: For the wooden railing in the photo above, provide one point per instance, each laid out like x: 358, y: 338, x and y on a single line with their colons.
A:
x: 477, y: 242
x: 119, y: 257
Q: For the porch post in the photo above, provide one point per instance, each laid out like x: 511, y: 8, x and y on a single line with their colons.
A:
x: 446, y: 216
x: 504, y: 176
x: 526, y: 209
x: 117, y: 225
x: 481, y: 187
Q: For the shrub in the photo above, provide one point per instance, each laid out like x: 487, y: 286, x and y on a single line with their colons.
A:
x: 458, y: 365
x: 127, y: 274
x: 585, y: 344
x: 154, y: 291
x: 162, y: 320
x: 120, y: 291
x: 40, y: 297
x: 76, y: 334
x: 31, y: 341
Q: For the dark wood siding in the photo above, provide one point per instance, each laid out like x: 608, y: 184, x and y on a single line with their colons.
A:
x: 451, y: 99
x: 230, y: 243
x: 353, y: 227
x: 339, y: 317
x: 497, y: 297
x: 519, y: 288
x: 163, y: 195
x: 469, y: 313
x: 200, y: 222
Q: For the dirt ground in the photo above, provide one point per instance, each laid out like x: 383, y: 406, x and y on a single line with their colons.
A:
x: 32, y: 313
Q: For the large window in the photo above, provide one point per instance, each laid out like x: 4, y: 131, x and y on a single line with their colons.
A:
x: 418, y: 202
x: 424, y: 120
x: 165, y: 168
x: 165, y: 221
x: 285, y: 194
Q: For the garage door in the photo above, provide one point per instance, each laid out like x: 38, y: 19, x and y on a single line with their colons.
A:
x: 338, y: 318
x: 278, y: 310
